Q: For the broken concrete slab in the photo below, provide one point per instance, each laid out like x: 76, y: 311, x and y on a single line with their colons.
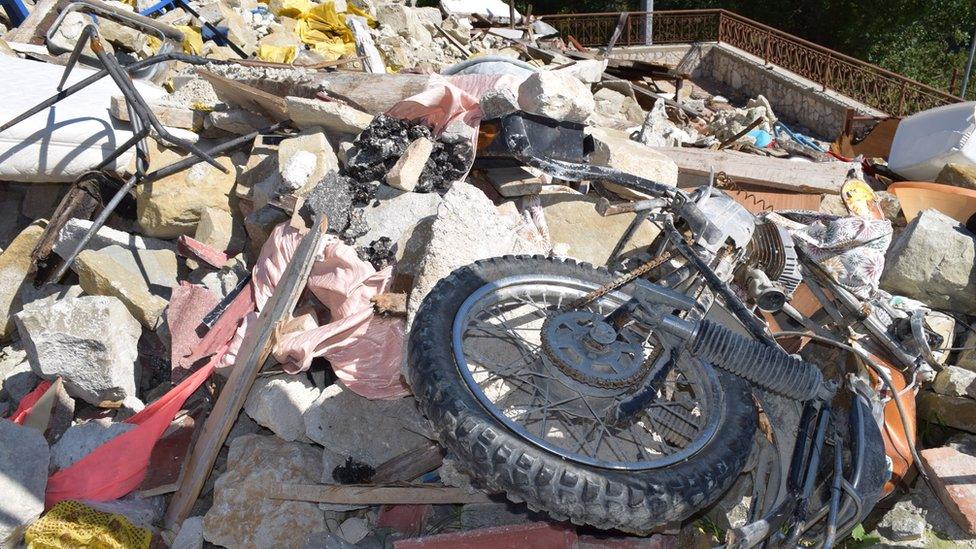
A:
x: 219, y: 230
x: 74, y: 229
x: 370, y: 431
x: 89, y: 341
x: 278, y: 402
x: 107, y: 272
x: 514, y: 181
x: 405, y: 174
x: 15, y: 280
x: 335, y: 117
x: 556, y: 95
x: 394, y: 211
x: 457, y: 241
x: 80, y: 440
x: 242, y: 515
x: 904, y: 522
x: 933, y: 261
x: 24, y: 462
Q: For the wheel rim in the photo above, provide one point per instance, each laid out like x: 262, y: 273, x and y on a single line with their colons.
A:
x: 498, y: 351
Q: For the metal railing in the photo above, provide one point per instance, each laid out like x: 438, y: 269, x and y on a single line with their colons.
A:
x: 869, y: 84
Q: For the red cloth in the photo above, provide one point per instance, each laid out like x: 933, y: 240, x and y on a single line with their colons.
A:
x: 27, y: 403
x: 118, y: 467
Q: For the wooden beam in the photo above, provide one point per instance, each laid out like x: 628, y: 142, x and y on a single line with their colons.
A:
x: 358, y: 494
x: 253, y: 352
x: 751, y: 169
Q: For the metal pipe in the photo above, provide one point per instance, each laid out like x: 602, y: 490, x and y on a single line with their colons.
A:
x: 835, y: 490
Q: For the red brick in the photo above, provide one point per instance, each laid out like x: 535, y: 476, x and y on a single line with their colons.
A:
x: 953, y: 475
x: 406, y: 519
x: 537, y: 535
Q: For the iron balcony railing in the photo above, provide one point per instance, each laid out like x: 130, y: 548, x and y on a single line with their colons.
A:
x: 869, y: 84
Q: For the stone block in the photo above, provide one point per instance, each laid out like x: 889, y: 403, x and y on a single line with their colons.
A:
x: 278, y: 402
x: 958, y: 175
x: 24, y: 462
x: 89, y: 341
x: 405, y: 174
x: 80, y: 440
x: 934, y: 261
x: 335, y: 117
x: 15, y: 281
x: 514, y: 181
x: 615, y: 149
x: 118, y: 272
x: 293, y: 149
x: 171, y: 206
x: 556, y: 95
x: 955, y: 381
x: 956, y: 412
x: 242, y: 515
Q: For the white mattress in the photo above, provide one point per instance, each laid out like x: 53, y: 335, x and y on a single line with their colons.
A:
x: 65, y: 140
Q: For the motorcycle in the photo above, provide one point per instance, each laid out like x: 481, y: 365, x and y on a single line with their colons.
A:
x: 635, y: 398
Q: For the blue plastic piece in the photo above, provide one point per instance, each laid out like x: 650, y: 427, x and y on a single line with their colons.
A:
x: 16, y: 11
x: 762, y: 137
x: 158, y: 7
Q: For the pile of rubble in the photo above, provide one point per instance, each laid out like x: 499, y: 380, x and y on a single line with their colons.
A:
x: 356, y: 113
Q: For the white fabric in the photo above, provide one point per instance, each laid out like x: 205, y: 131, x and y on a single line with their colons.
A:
x: 925, y: 142
x: 72, y: 136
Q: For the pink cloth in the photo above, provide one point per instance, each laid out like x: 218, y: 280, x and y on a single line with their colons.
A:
x: 366, y: 351
x: 450, y: 98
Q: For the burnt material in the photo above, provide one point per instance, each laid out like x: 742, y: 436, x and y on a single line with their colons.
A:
x: 384, y: 141
x: 380, y: 253
x: 353, y: 472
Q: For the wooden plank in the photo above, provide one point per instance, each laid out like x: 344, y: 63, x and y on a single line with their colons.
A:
x: 359, y: 494
x: 254, y: 350
x: 246, y: 96
x: 750, y: 169
x: 409, y: 465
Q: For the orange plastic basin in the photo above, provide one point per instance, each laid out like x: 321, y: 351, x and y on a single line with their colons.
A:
x: 915, y: 196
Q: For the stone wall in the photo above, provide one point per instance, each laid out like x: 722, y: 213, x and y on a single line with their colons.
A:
x: 798, y: 101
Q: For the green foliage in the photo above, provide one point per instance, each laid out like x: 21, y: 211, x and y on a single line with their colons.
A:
x: 921, y: 40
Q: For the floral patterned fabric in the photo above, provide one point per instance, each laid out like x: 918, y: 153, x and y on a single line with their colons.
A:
x: 850, y: 249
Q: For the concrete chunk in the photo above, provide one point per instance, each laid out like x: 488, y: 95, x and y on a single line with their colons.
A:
x: 80, y: 440
x: 278, y: 402
x: 370, y: 431
x: 291, y: 152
